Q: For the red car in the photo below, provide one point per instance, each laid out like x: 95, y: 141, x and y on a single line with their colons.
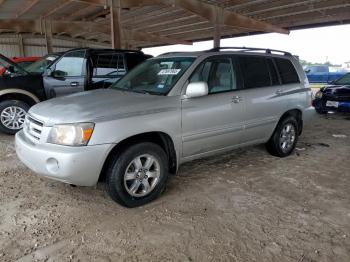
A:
x: 25, y: 61
x: 22, y: 62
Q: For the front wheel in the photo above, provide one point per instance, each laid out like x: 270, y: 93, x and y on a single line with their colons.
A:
x: 284, y: 138
x: 138, y: 175
x: 12, y: 116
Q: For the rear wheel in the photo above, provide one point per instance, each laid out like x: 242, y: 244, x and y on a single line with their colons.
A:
x: 284, y: 138
x: 12, y: 116
x: 138, y: 175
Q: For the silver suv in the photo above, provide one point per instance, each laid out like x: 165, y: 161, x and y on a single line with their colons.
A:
x: 171, y: 109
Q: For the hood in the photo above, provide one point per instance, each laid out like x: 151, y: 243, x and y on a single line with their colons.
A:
x: 99, y: 106
x: 338, y: 90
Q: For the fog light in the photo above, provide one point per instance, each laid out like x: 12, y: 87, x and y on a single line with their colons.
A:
x: 52, y: 165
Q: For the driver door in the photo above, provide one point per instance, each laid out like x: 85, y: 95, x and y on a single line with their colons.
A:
x: 216, y: 121
x: 67, y: 75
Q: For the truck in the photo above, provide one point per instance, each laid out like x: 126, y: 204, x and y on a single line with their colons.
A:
x: 322, y: 74
x: 77, y: 70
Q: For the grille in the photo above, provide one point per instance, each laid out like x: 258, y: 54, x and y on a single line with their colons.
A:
x: 33, y: 128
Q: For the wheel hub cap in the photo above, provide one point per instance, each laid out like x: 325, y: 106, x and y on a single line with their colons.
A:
x: 142, y: 175
x: 13, y: 117
x: 287, y: 137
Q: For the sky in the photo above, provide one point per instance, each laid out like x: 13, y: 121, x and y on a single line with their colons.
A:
x: 317, y: 45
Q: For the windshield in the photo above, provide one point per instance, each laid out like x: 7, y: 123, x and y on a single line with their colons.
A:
x: 39, y: 66
x: 344, y: 80
x: 10, y: 69
x: 155, y: 76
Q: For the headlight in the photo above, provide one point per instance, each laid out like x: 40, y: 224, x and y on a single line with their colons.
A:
x: 71, y: 134
x: 318, y: 95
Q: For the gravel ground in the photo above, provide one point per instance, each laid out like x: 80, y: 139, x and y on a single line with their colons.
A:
x: 241, y: 206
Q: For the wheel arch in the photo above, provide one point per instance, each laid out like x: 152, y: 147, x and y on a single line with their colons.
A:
x: 160, y: 138
x: 18, y: 94
x: 298, y: 114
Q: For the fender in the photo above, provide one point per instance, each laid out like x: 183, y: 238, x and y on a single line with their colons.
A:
x: 19, y: 91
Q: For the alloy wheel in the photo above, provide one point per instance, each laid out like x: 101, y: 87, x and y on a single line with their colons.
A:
x: 13, y: 117
x: 142, y: 175
x: 287, y: 137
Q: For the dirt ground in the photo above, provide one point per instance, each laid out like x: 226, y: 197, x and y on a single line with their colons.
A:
x: 241, y: 206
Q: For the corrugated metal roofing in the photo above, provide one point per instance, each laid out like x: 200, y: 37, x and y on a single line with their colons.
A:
x: 178, y: 23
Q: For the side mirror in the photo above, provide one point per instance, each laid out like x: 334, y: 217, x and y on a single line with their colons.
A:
x: 307, y: 71
x: 196, y: 89
x: 58, y: 74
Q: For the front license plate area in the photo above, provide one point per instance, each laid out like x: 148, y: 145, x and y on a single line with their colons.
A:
x: 332, y: 104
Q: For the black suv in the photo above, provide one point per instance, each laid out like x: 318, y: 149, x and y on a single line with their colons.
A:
x: 75, y: 71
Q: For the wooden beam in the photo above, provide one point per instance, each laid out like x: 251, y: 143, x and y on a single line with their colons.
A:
x: 217, y: 26
x: 20, y: 45
x: 48, y: 36
x: 54, y: 10
x: 76, y: 14
x: 229, y: 18
x: 205, y: 10
x: 73, y: 27
x: 27, y: 8
x: 116, y: 30
x: 96, y: 15
x: 92, y: 2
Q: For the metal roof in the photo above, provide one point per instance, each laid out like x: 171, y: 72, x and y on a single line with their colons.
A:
x: 155, y: 22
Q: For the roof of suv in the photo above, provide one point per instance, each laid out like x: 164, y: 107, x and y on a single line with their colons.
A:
x: 108, y: 50
x: 230, y: 50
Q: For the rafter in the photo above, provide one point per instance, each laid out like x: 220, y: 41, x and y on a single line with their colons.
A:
x: 78, y: 13
x: 205, y: 10
x: 27, y: 8
x: 60, y: 6
x: 73, y: 27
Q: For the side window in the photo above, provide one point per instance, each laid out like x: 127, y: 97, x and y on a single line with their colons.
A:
x: 108, y: 65
x: 287, y: 71
x: 273, y: 73
x: 255, y: 71
x: 72, y: 63
x: 218, y: 73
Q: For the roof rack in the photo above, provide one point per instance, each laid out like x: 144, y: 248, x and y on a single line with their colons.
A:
x: 243, y: 48
x: 170, y: 53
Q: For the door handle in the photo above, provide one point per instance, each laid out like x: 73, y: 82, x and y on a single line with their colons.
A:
x: 236, y: 99
x: 74, y: 83
x: 279, y: 92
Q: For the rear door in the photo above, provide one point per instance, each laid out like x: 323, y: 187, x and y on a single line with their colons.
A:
x: 215, y: 121
x: 71, y: 68
x: 263, y: 103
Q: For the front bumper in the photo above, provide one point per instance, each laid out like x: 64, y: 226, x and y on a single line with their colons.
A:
x: 320, y: 105
x: 73, y: 165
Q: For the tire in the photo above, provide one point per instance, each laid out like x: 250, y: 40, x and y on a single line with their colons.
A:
x: 121, y: 187
x: 282, y: 143
x: 19, y: 108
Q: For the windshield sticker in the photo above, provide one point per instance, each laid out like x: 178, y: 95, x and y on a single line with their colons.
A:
x: 160, y: 86
x: 169, y: 72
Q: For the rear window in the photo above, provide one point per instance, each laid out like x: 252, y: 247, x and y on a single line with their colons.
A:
x: 287, y: 71
x: 107, y: 64
x: 255, y: 71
